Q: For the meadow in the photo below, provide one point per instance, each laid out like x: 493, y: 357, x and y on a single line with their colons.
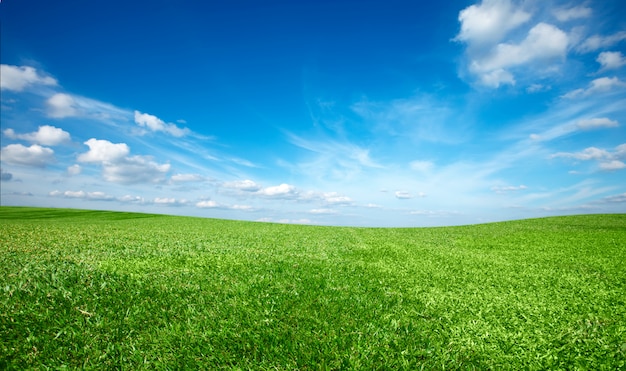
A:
x: 108, y: 290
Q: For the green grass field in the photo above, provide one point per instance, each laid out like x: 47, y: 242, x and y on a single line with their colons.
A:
x: 106, y: 290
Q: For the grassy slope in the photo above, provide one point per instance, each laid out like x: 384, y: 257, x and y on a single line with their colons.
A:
x: 101, y: 289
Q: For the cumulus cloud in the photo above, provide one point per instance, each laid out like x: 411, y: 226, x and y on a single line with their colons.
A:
x: 74, y: 169
x: 119, y: 167
x: 608, y: 160
x: 242, y: 207
x: 135, y: 169
x: 170, y: 201
x: 612, y: 165
x: 434, y: 213
x: 185, y: 178
x: 611, y: 60
x: 403, y: 195
x: 489, y: 21
x: 543, y: 42
x: 323, y: 211
x: 591, y: 153
x: 599, y: 85
x: 132, y: 199
x: 62, y: 105
x: 334, y: 198
x: 155, y: 124
x: 596, y: 123
x: 567, y: 14
x: 104, y: 151
x: 207, y: 204
x: 18, y: 78
x: 596, y: 42
x: 46, y: 135
x: 210, y: 204
x: 93, y: 196
x: 35, y: 155
x: 284, y: 190
x: 243, y: 185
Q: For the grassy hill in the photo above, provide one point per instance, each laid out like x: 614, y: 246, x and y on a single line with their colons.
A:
x: 101, y: 290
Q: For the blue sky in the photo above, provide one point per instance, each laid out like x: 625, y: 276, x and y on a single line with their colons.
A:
x: 364, y: 113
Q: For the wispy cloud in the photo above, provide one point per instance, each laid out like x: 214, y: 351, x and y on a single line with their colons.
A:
x: 596, y: 42
x: 18, y: 78
x: 570, y: 13
x: 597, y: 86
x: 155, y: 124
x: 608, y: 160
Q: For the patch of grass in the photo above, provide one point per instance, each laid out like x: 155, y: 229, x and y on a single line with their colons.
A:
x: 93, y: 290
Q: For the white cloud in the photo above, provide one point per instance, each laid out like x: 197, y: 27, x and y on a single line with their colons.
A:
x: 599, y: 85
x: 131, y: 199
x: 35, y: 155
x: 242, y: 207
x: 104, y: 151
x: 335, y: 198
x: 243, y: 185
x: 591, y: 153
x: 167, y: 201
x: 154, y: 123
x: 611, y: 60
x: 135, y: 169
x: 496, y: 78
x: 184, y: 178
x: 489, y: 21
x: 18, y: 78
x: 598, y: 42
x: 207, y: 204
x: 333, y: 159
x: 62, y: 105
x: 608, y: 160
x: 403, y: 195
x: 594, y: 123
x: 615, y: 199
x: 612, y: 165
x: 280, y: 191
x: 543, y: 42
x: 434, y: 213
x: 323, y: 211
x: 118, y: 167
x: 46, y: 135
x: 505, y: 189
x: 74, y: 169
x: 536, y: 88
x: 93, y: 196
x: 577, y: 12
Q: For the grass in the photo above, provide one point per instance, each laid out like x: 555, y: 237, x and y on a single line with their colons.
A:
x: 106, y: 290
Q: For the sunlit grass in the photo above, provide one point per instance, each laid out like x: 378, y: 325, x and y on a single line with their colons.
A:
x: 101, y: 290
